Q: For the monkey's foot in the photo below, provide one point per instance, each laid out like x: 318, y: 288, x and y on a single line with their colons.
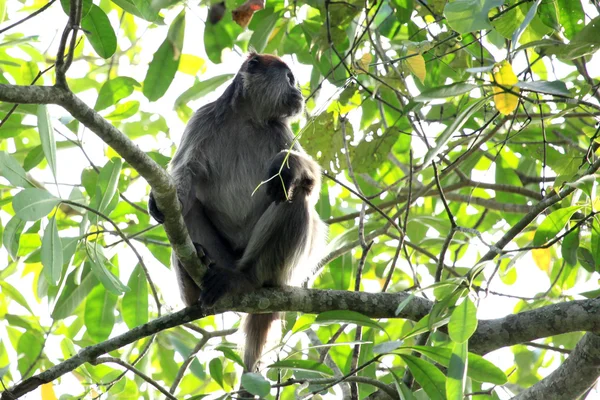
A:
x: 154, y: 211
x: 216, y: 283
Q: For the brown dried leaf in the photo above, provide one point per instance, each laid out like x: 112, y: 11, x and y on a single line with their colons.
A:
x: 243, y: 14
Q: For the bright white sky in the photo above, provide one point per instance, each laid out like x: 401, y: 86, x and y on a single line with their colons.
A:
x: 71, y: 162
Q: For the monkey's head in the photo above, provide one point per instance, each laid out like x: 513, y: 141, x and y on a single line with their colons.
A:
x: 270, y: 89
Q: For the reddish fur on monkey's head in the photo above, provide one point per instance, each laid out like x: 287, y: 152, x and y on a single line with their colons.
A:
x: 264, y: 60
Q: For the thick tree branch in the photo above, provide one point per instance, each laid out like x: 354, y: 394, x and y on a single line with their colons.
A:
x: 572, y: 316
x: 573, y: 378
x: 161, y: 183
x: 581, y: 315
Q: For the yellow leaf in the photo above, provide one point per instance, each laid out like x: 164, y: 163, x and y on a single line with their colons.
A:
x: 364, y: 62
x: 504, y: 76
x: 416, y: 65
x: 542, y: 258
x: 48, y: 392
x: 191, y: 65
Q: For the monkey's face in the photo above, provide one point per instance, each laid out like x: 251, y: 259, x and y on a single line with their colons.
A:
x: 270, y: 87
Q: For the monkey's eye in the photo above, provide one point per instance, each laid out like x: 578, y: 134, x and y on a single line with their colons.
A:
x: 253, y: 63
x: 290, y: 77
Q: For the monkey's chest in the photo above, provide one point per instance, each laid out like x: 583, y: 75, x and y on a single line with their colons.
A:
x: 234, y: 194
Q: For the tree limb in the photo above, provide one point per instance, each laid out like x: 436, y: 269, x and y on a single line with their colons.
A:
x: 573, y: 378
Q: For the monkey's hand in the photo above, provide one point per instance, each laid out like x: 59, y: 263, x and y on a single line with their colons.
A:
x: 281, y: 176
x: 154, y: 211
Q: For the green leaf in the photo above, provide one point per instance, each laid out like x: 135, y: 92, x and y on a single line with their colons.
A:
x: 303, y: 365
x: 256, y: 384
x: 571, y: 17
x: 33, y: 204
x: 480, y: 369
x: 585, y: 42
x: 548, y: 13
x: 75, y: 290
x: 98, y: 264
x: 387, y: 347
x: 99, y: 32
x: 230, y: 354
x: 463, y: 321
x: 456, y: 124
x: 52, y: 253
x: 115, y: 90
x: 404, y: 303
x: 261, y: 34
x: 13, y: 293
x: 457, y: 372
x: 557, y: 88
x: 202, y: 88
x: 147, y: 9
x: 165, y: 62
x: 346, y: 316
x: 134, y: 306
x: 99, y: 314
x: 12, y: 171
x: 569, y: 247
x: 215, y: 367
x: 108, y: 182
x: 553, y: 224
x: 429, y: 377
x: 29, y: 348
x: 33, y: 158
x: 443, y: 92
x: 216, y: 38
x: 528, y: 17
x: 466, y: 16
x: 124, y: 111
x: 12, y: 234
x: 131, y: 8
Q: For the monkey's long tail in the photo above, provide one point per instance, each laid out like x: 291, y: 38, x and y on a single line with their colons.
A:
x: 256, y: 327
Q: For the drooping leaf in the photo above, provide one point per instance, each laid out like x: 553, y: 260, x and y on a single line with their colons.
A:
x: 12, y: 234
x: 52, y: 253
x: 261, y: 35
x: 11, y: 292
x: 457, y: 372
x: 33, y: 204
x: 75, y: 290
x: 99, y: 313
x: 463, y: 321
x: 416, y: 65
x: 134, y: 306
x: 569, y: 247
x: 215, y: 366
x: 99, y: 32
x: 98, y: 264
x: 47, y: 137
x: 165, y: 62
x: 528, y: 17
x: 429, y: 377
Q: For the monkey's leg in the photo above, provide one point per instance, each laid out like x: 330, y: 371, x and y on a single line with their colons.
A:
x: 204, y: 235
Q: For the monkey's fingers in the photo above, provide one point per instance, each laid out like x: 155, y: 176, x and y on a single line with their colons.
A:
x: 154, y: 211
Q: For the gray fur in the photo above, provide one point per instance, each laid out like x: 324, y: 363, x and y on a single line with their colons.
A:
x: 227, y: 148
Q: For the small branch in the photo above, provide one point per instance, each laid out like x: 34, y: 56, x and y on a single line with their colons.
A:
x: 547, y: 347
x: 33, y: 14
x: 136, y: 371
